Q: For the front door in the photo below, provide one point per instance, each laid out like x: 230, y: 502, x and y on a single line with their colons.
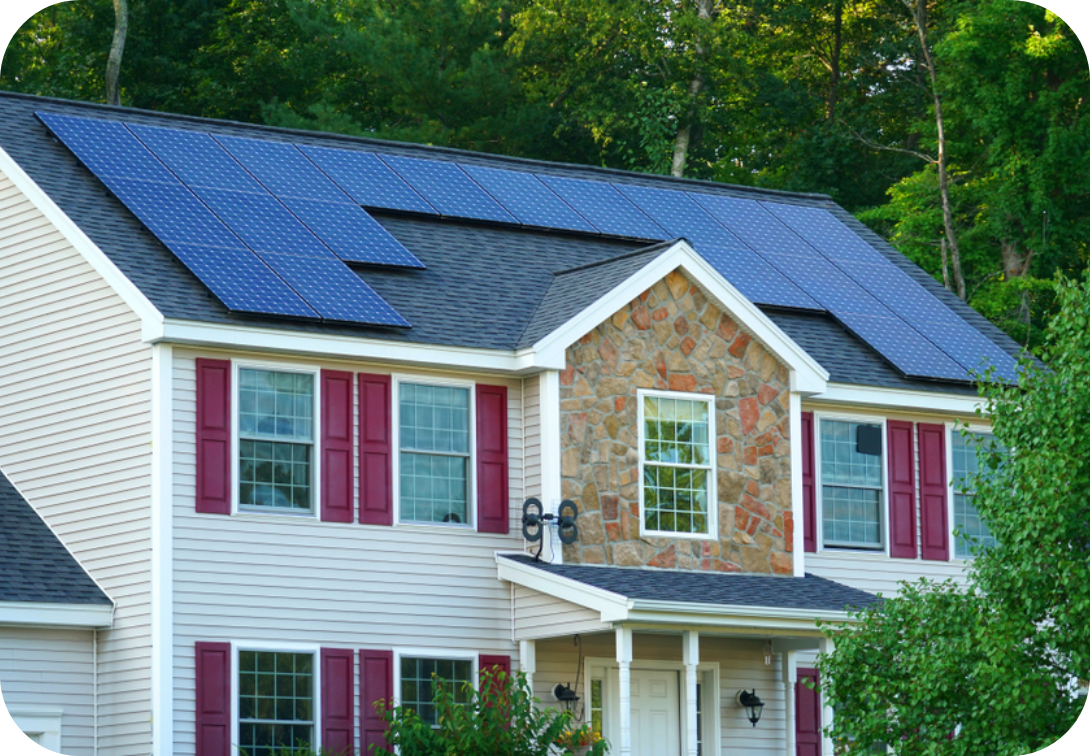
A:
x: 656, y: 713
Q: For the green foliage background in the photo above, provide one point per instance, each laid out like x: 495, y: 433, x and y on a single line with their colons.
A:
x: 798, y: 95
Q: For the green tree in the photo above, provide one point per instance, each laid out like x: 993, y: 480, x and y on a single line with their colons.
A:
x: 502, y: 718
x: 990, y: 667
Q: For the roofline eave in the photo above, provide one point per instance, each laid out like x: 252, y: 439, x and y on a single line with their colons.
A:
x: 51, y: 614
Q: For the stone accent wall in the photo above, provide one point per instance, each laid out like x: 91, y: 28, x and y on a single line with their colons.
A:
x: 673, y: 338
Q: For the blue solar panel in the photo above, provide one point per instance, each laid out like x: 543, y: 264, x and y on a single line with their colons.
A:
x: 529, y: 200
x: 107, y: 148
x: 196, y: 159
x: 826, y: 233
x: 334, y: 291
x: 448, y: 189
x: 351, y: 233
x: 903, y: 346
x: 242, y: 281
x: 283, y: 169
x: 172, y: 213
x: 264, y: 223
x: 680, y: 216
x: 757, y: 280
x: 606, y: 208
x: 367, y: 180
x: 758, y: 228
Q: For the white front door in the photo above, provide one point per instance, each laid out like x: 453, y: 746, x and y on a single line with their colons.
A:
x: 656, y: 713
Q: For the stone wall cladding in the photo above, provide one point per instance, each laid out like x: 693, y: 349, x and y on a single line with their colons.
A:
x: 672, y: 338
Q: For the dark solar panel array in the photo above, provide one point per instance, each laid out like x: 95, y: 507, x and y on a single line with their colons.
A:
x: 247, y: 215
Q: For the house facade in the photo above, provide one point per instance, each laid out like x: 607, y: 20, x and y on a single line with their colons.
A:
x: 284, y: 395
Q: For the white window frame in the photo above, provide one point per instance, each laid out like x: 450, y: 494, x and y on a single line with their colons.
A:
x: 41, y: 723
x: 708, y: 675
x: 951, y: 489
x: 432, y: 653
x: 316, y: 457
x: 282, y: 648
x: 883, y: 502
x: 397, y: 379
x: 712, y: 533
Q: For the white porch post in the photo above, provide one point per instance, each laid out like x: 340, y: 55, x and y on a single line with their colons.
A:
x: 528, y: 661
x: 826, y: 647
x: 690, y: 645
x: 624, y: 679
x: 790, y: 675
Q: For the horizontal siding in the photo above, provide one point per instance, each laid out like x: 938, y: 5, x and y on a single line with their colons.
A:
x: 538, y: 615
x: 741, y: 665
x: 75, y: 397
x: 270, y: 578
x: 52, y: 669
x: 531, y: 402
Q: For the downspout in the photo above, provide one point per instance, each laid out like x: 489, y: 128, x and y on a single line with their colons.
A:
x: 94, y: 691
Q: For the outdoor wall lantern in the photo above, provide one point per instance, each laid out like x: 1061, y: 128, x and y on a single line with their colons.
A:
x: 565, y: 695
x: 753, y: 705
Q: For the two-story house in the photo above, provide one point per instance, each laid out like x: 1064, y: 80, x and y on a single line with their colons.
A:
x: 284, y: 394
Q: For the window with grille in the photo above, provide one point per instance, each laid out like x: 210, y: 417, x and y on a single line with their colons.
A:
x: 678, y: 463
x: 419, y: 676
x: 966, y: 451
x: 851, y: 484
x: 275, y: 702
x: 434, y: 441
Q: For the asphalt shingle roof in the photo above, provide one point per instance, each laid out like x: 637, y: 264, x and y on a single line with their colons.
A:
x: 486, y: 285
x: 34, y: 565
x: 810, y: 592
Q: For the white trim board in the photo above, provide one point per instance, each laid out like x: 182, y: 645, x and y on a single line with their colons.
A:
x: 40, y: 614
x: 902, y: 399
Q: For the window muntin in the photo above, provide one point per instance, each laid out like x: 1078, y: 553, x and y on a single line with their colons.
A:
x: 677, y: 463
x: 275, y: 702
x: 851, y: 488
x: 434, y: 453
x: 965, y: 451
x: 419, y: 676
x: 276, y: 439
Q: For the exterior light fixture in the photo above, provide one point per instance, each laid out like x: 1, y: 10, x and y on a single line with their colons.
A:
x: 753, y: 705
x: 565, y: 695
x: 768, y: 653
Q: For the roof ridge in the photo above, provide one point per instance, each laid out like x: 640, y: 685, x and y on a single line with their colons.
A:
x: 434, y: 149
x: 663, y: 245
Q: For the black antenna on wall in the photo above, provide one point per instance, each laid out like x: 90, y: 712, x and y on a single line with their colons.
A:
x: 535, y: 520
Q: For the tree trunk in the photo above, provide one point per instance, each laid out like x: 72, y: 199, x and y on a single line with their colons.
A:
x: 683, y: 139
x: 945, y: 267
x: 117, y: 51
x: 1013, y: 265
x: 919, y: 14
x: 834, y: 61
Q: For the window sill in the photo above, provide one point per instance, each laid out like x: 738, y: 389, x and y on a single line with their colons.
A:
x: 671, y: 534
x: 257, y: 512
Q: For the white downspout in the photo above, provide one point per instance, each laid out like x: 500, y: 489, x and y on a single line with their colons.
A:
x: 94, y: 691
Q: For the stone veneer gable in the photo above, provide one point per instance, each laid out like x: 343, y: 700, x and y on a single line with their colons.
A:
x: 673, y: 338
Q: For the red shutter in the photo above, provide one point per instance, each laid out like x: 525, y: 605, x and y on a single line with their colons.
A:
x: 376, y: 684
x: 809, y: 490
x: 934, y: 526
x: 495, y: 663
x: 336, y: 446
x: 807, y: 715
x: 213, y: 720
x: 376, y: 470
x: 492, y: 504
x: 902, y: 489
x: 214, y: 436
x: 338, y: 700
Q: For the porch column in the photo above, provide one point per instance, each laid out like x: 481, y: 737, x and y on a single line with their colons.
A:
x: 825, y: 645
x: 528, y: 661
x: 789, y: 676
x: 624, y: 679
x: 690, y: 645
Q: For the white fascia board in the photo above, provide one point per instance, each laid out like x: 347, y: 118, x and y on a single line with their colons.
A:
x: 40, y: 614
x: 734, y: 614
x: 807, y: 376
x: 351, y: 347
x: 888, y: 398
x: 612, y: 606
x: 149, y: 315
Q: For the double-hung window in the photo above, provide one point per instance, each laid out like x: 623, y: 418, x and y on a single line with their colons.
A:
x: 851, y: 484
x: 434, y: 453
x: 275, y: 440
x: 965, y: 451
x: 275, y: 702
x: 419, y: 676
x: 678, y: 463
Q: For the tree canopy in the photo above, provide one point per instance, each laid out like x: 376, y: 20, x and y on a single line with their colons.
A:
x: 829, y: 96
x: 992, y: 667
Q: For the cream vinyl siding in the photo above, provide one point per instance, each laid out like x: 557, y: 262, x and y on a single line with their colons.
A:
x: 878, y: 572
x: 273, y: 578
x: 538, y: 615
x: 75, y: 433
x: 44, y: 668
x: 531, y: 404
x: 741, y: 665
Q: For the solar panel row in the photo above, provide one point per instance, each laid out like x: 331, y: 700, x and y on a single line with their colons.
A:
x: 299, y: 205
